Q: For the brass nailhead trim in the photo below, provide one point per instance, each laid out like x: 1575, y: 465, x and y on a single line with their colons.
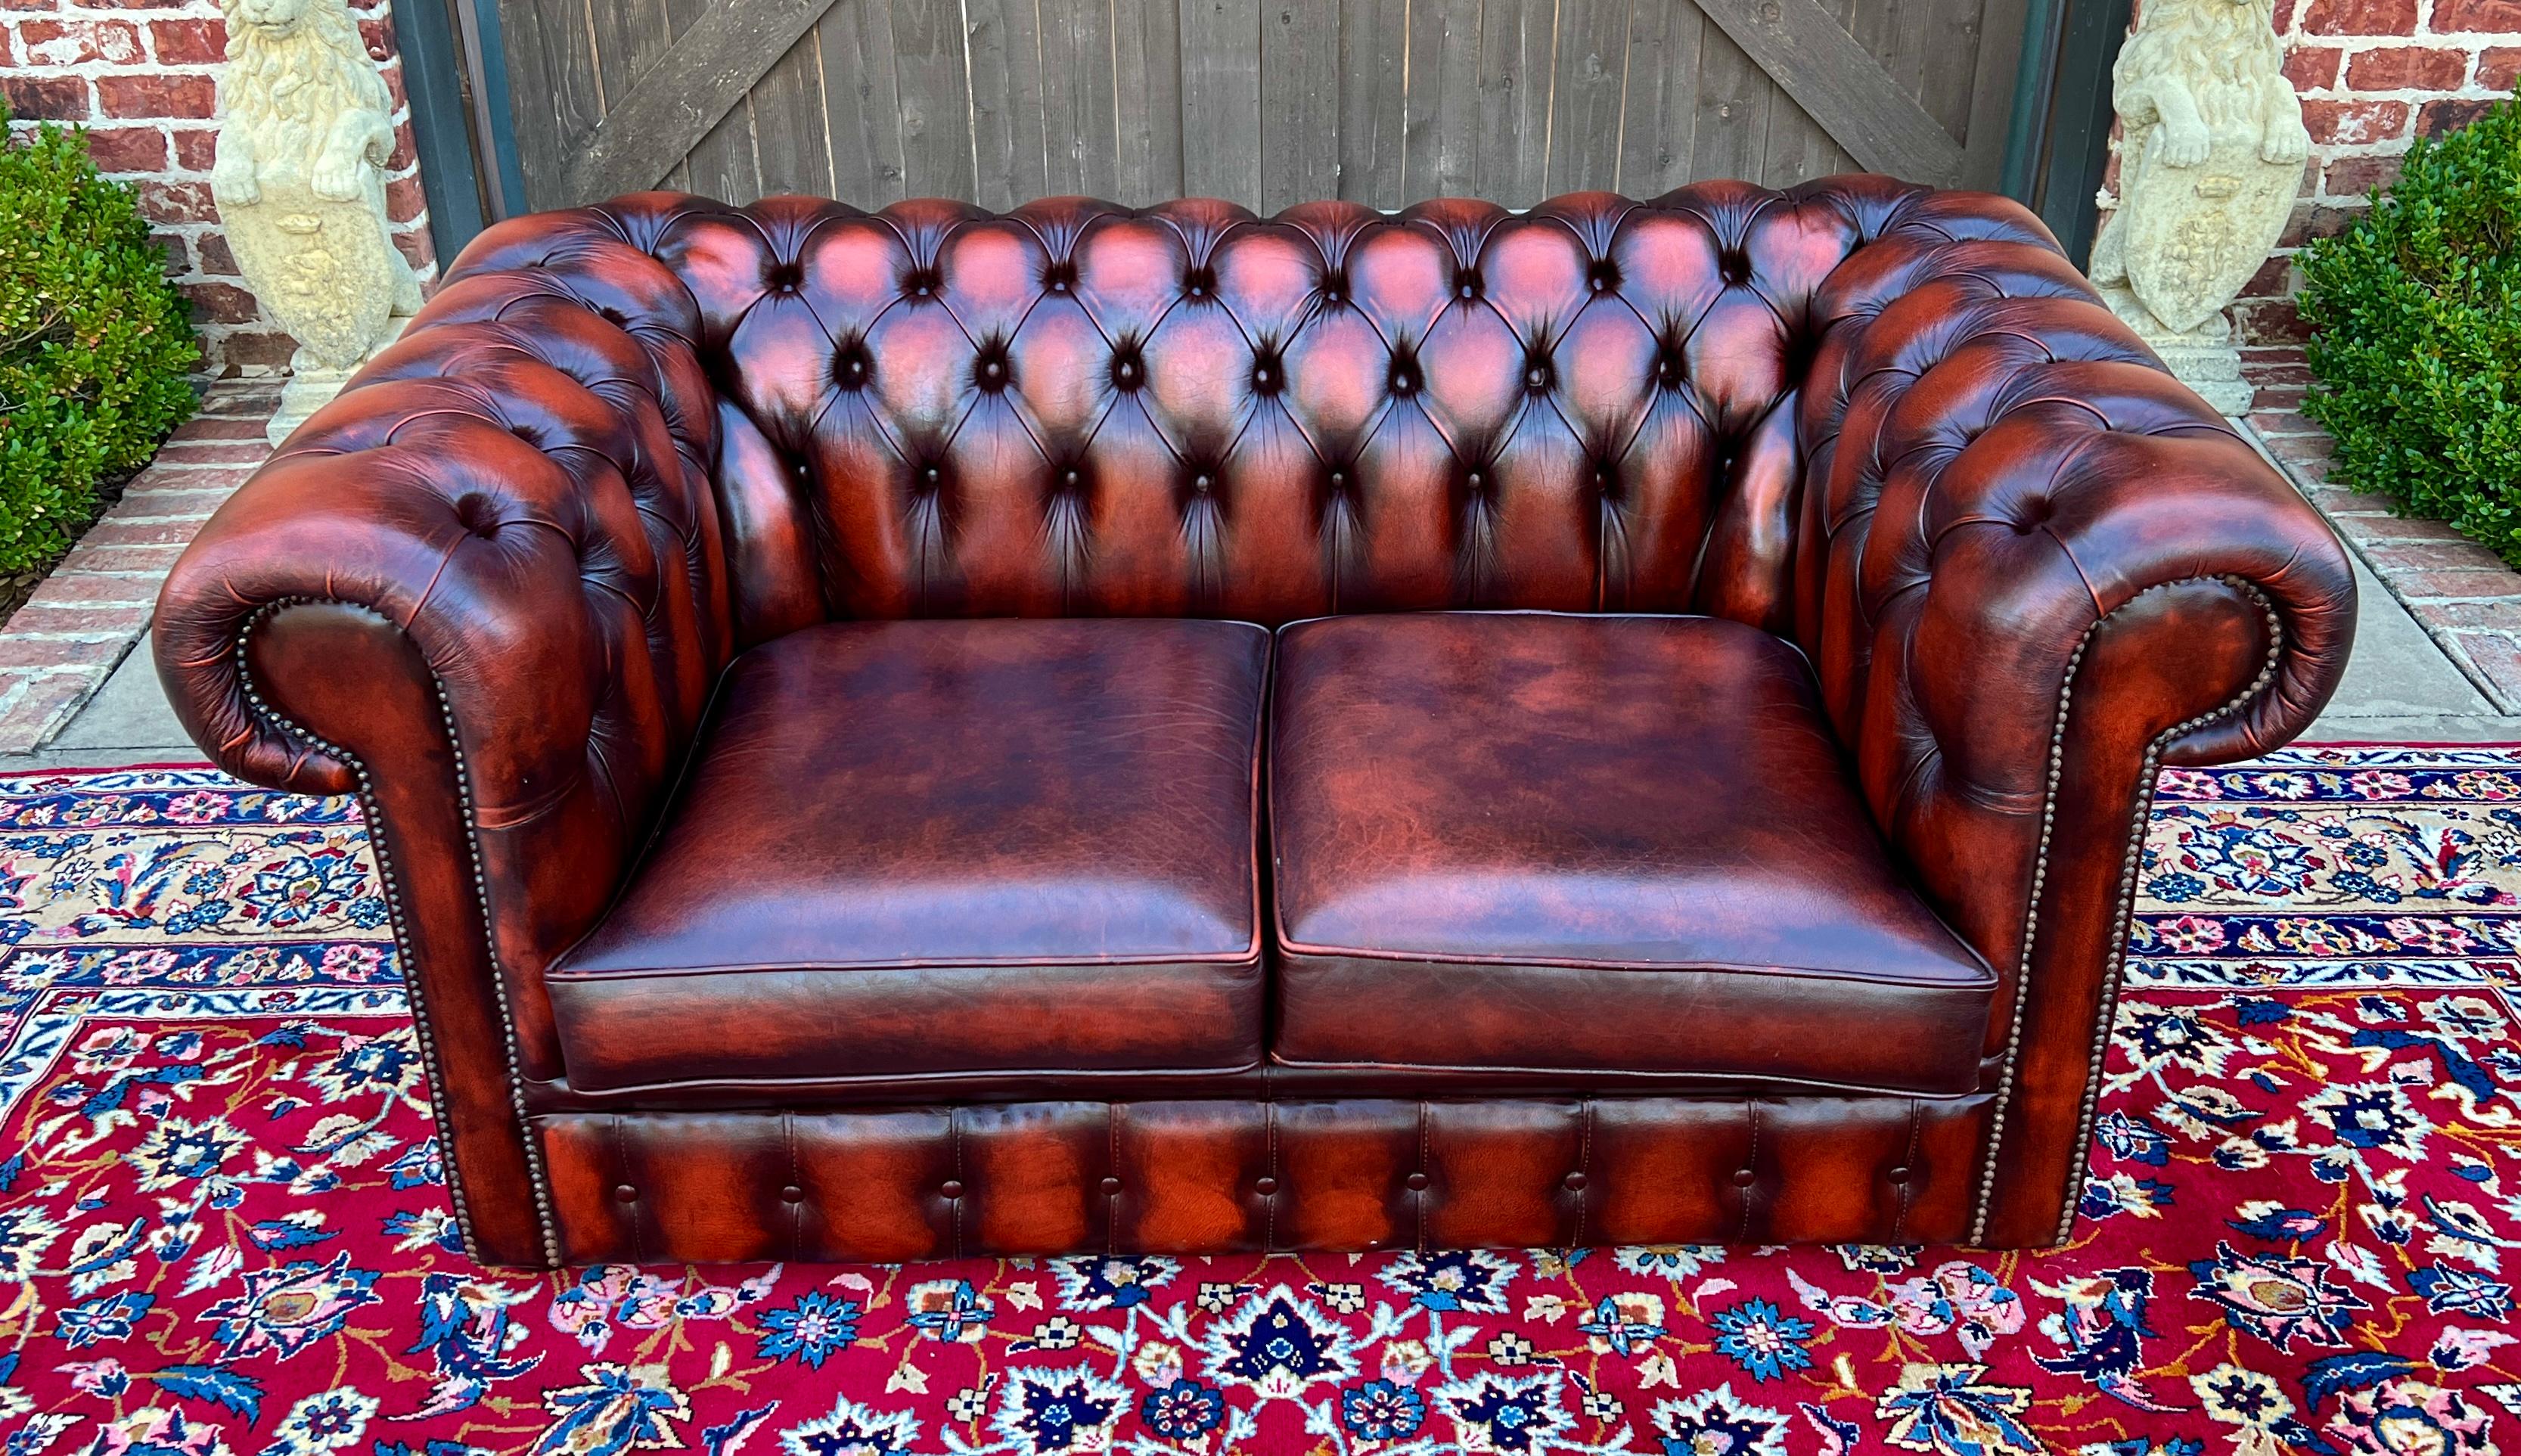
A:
x: 536, y: 1177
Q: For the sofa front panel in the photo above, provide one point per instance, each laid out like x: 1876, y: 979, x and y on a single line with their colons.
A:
x: 1224, y: 1176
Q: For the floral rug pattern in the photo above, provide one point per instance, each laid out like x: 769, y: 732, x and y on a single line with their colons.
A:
x: 223, y: 1232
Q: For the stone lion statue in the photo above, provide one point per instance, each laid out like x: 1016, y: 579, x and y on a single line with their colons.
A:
x: 2211, y: 155
x: 300, y: 185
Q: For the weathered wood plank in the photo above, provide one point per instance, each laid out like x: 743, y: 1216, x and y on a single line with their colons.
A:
x: 1592, y: 76
x: 1220, y: 110
x: 1300, y: 102
x: 1080, y: 107
x: 936, y: 98
x: 687, y: 95
x: 1515, y: 73
x: 1999, y: 65
x: 1658, y: 115
x: 1147, y: 99
x: 723, y: 165
x: 861, y: 110
x: 1373, y: 104
x: 1440, y: 156
x: 1002, y: 38
x: 556, y: 93
x: 1814, y: 60
x: 1798, y: 149
x: 789, y: 139
x: 1731, y: 139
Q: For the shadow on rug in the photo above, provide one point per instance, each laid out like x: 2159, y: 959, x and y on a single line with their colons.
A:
x: 222, y: 1226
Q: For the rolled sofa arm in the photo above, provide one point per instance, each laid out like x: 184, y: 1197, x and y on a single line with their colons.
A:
x: 484, y: 589
x: 2035, y: 568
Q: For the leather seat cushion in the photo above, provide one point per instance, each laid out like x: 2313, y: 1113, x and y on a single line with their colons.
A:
x: 945, y: 848
x: 1527, y: 840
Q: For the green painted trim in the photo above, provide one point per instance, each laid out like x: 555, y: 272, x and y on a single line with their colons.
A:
x: 2037, y: 77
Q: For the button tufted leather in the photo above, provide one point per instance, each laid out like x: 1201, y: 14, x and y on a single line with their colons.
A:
x: 493, y: 585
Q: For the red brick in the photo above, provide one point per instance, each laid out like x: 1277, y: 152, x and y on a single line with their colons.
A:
x: 87, y: 558
x: 220, y: 303
x: 30, y: 716
x: 2354, y: 176
x: 2440, y: 556
x: 2440, y: 116
x: 262, y: 350
x: 18, y: 651
x: 218, y: 260
x: 2353, y: 122
x: 114, y: 624
x: 189, y: 42
x: 177, y: 202
x: 2498, y: 66
x: 2407, y: 69
x: 158, y: 95
x: 2405, y: 528
x: 377, y: 34
x: 64, y: 594
x: 404, y: 200
x: 212, y: 452
x: 2497, y: 660
x: 2362, y: 17
x: 2259, y: 321
x: 2493, y: 17
x: 30, y: 5
x: 128, y: 149
x: 212, y: 427
x: 2312, y: 67
x: 45, y: 98
x: 112, y: 533
x: 66, y: 44
x: 2455, y: 582
x: 2273, y: 280
x: 2503, y: 616
x: 196, y: 148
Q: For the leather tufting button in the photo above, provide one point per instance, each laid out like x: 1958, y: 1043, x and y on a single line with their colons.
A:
x: 1476, y: 481
x: 1072, y: 479
x: 1536, y: 377
x: 1124, y: 373
x: 930, y: 474
x: 1111, y: 1188
x: 1417, y: 1180
x: 1898, y: 1175
x: 1264, y: 1186
x: 626, y: 1194
x: 1573, y: 1182
x: 1339, y: 479
x: 1744, y: 1177
x: 791, y: 1193
x: 1201, y: 484
x: 951, y: 1188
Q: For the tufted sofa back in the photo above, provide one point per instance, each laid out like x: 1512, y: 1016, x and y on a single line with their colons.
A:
x: 1075, y: 408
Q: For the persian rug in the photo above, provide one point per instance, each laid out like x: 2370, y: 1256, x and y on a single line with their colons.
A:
x: 222, y: 1228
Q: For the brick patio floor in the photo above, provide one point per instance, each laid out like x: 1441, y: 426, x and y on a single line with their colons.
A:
x: 2463, y: 595
x: 62, y: 645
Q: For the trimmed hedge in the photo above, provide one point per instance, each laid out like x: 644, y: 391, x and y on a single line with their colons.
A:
x: 2416, y: 308
x: 95, y: 346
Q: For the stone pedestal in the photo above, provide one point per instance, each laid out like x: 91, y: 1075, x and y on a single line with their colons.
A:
x: 2203, y: 358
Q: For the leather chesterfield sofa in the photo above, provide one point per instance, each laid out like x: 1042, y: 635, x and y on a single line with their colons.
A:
x: 926, y: 733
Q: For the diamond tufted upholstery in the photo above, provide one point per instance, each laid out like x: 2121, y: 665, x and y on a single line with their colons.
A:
x: 493, y: 586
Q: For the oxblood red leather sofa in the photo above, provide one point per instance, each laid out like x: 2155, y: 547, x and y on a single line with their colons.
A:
x: 925, y: 733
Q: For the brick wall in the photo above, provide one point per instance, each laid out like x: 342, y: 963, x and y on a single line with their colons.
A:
x: 2374, y: 75
x: 141, y: 75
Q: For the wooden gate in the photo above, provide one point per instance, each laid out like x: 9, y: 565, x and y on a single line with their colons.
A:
x: 1266, y: 101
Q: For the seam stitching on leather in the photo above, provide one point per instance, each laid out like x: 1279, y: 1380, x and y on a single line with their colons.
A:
x: 2080, y: 1154
x: 796, y: 1210
x: 1751, y: 1164
x: 1583, y: 1163
x: 621, y: 1160
x: 535, y: 1175
x: 1909, y: 1166
x: 1270, y: 1200
x: 1112, y: 1199
x: 1418, y: 1196
x: 954, y: 1205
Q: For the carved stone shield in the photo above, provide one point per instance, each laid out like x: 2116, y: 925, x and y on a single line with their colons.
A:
x: 2196, y: 234
x: 322, y: 268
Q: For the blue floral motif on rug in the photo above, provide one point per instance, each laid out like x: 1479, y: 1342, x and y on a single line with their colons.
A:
x: 223, y: 1231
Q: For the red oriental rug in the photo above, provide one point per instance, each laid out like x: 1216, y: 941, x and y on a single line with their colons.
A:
x: 222, y: 1228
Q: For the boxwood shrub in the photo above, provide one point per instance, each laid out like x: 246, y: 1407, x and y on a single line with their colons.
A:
x: 95, y: 348
x: 2416, y: 314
